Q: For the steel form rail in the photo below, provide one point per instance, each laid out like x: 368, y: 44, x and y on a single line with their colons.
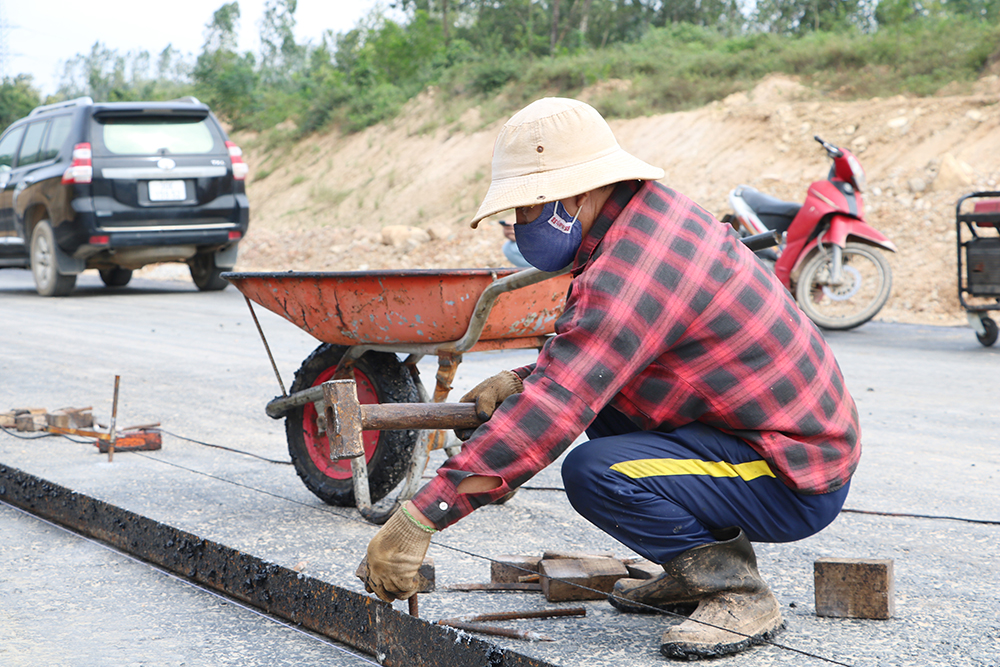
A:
x: 360, y: 621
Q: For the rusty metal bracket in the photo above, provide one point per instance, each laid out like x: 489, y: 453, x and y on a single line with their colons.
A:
x: 357, y: 620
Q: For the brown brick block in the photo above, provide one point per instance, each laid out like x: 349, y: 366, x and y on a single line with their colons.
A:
x: 508, y: 569
x: 560, y: 575
x: 58, y: 418
x: 854, y: 587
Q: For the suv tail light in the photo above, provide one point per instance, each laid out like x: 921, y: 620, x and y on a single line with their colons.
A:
x: 82, y: 169
x: 240, y: 168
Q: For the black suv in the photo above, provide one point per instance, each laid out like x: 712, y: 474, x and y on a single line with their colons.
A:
x: 117, y: 186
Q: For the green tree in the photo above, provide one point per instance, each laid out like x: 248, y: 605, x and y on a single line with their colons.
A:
x: 101, y: 74
x: 18, y: 96
x: 280, y: 55
x: 801, y: 16
x: 109, y: 76
x: 226, y: 80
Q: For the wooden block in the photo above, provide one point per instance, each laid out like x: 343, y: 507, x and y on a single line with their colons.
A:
x: 7, y: 419
x: 80, y: 417
x: 508, y: 569
x: 854, y: 587
x: 560, y: 574
x: 25, y: 422
x: 643, y: 569
x: 57, y: 418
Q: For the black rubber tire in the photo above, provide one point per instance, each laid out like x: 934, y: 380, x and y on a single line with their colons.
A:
x: 116, y: 276
x: 206, y: 275
x: 390, y: 460
x: 44, y: 266
x: 991, y: 332
x: 871, y: 289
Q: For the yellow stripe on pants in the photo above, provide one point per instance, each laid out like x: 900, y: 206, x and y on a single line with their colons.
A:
x: 664, y: 467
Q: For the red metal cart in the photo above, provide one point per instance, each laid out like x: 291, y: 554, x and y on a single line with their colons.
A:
x: 365, y: 320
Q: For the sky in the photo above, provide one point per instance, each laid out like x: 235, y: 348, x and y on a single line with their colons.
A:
x: 41, y: 34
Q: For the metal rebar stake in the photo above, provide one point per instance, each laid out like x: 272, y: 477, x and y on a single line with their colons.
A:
x: 267, y: 348
x: 114, y: 418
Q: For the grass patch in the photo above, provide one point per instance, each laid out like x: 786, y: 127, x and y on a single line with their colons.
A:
x: 684, y: 66
x: 329, y: 197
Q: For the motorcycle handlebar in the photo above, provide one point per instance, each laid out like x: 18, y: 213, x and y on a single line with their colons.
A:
x: 831, y: 150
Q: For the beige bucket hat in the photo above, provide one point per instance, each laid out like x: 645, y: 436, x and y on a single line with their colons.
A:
x: 556, y: 148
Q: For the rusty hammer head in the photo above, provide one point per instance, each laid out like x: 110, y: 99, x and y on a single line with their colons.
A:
x: 346, y: 417
x: 343, y: 419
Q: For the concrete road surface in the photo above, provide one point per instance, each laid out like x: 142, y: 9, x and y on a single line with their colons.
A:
x: 194, y: 362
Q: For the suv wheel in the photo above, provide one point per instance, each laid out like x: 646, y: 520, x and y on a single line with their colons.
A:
x: 44, y: 266
x: 205, y: 274
x: 116, y: 276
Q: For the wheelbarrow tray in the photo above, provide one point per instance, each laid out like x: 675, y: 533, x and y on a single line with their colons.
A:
x: 403, y: 307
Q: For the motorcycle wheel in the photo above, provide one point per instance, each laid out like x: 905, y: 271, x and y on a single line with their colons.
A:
x: 864, y: 290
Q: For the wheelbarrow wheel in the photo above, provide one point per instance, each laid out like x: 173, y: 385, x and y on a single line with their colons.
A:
x: 381, y: 378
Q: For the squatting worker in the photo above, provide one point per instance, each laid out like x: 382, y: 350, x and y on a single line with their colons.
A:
x: 716, y: 413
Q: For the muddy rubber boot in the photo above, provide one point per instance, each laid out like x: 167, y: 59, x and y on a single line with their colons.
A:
x: 733, y: 596
x: 646, y: 596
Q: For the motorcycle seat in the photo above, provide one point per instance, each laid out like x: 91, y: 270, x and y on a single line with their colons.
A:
x: 775, y: 213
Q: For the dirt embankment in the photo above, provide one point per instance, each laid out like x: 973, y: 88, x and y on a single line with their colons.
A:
x: 337, y: 203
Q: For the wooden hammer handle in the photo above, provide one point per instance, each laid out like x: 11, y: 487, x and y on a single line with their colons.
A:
x: 395, y: 416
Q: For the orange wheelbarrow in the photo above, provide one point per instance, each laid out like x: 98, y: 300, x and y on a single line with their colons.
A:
x: 366, y: 321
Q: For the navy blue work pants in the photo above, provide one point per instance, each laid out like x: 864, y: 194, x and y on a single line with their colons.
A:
x: 661, y: 494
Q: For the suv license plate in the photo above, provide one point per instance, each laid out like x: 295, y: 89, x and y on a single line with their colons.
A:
x: 167, y: 191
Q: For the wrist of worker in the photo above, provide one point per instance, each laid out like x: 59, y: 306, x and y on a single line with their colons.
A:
x: 417, y: 518
x: 441, y: 502
x: 524, y: 371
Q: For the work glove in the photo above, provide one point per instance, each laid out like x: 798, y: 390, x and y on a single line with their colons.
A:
x: 488, y: 395
x: 394, y: 557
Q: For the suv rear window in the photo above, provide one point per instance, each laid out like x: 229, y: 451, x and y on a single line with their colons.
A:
x: 156, y: 136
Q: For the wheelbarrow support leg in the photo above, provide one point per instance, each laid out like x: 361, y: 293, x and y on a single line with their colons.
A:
x: 359, y: 472
x: 447, y: 367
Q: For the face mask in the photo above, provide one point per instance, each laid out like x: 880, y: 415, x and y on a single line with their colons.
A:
x: 550, y: 241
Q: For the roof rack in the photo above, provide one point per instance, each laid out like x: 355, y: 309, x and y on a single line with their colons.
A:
x: 78, y: 102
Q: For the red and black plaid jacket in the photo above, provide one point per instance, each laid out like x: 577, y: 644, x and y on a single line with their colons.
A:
x: 670, y: 320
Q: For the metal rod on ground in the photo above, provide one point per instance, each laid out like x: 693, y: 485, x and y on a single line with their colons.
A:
x: 496, y: 586
x: 515, y: 615
x: 527, y: 635
x: 414, y: 610
x: 114, y: 418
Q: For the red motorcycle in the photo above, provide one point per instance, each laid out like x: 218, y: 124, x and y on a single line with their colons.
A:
x: 828, y: 257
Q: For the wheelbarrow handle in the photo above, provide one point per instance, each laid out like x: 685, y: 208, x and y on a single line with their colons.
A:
x: 396, y: 416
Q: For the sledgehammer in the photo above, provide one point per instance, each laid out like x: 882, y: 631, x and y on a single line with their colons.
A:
x: 346, y: 417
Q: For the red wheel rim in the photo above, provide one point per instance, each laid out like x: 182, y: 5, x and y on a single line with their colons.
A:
x: 318, y: 445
